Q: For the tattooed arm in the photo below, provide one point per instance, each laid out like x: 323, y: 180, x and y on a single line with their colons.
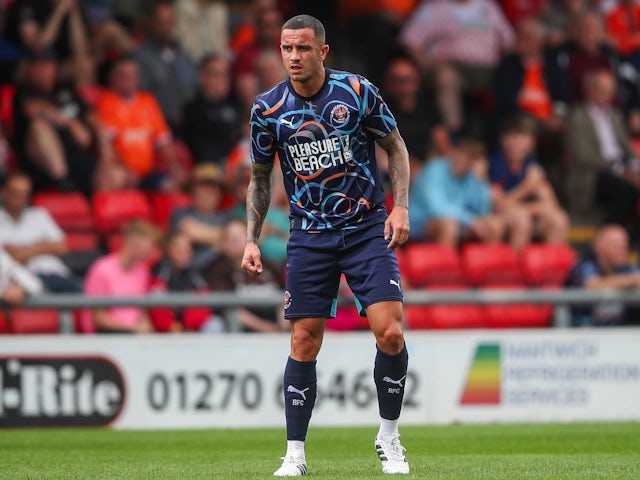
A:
x: 397, y: 224
x: 258, y: 199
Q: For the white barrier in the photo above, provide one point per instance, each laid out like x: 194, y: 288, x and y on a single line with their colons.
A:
x: 190, y: 381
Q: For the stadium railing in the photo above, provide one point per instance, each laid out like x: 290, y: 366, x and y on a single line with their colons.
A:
x: 561, y: 299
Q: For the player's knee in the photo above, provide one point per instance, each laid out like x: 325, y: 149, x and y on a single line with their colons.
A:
x: 390, y: 340
x: 305, y: 344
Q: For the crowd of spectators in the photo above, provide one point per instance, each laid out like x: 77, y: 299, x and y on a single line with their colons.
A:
x: 521, y: 118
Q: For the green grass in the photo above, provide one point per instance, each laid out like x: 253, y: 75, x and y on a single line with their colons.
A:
x: 575, y: 451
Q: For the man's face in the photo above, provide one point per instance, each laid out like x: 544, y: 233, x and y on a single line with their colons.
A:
x: 164, y: 23
x: 603, y: 89
x: 16, y: 194
x: 301, y: 54
x: 124, y: 79
x: 613, y: 247
x: 268, y: 25
x: 530, y: 38
x: 402, y: 79
x: 215, y: 80
x: 235, y: 236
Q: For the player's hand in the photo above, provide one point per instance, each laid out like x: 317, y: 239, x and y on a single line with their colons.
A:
x: 397, y: 227
x: 251, y: 262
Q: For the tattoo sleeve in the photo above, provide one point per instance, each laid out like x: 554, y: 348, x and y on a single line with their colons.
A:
x: 394, y: 145
x: 258, y: 199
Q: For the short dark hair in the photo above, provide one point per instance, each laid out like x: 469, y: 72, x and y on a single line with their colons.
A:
x: 519, y: 124
x: 306, y: 21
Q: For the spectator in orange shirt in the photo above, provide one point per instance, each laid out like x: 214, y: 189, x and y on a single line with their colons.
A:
x: 137, y: 128
x: 623, y: 25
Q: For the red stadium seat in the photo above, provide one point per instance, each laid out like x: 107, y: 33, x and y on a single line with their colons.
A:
x: 547, y: 265
x: 163, y: 205
x: 428, y: 264
x: 113, y: 209
x: 4, y: 324
x: 7, y: 92
x: 518, y: 316
x: 444, y: 316
x: 491, y: 265
x: 71, y: 211
x: 82, y: 241
x: 25, y: 321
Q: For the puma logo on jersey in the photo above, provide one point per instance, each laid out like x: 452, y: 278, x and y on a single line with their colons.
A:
x: 292, y: 389
x: 393, y: 282
x: 288, y: 123
x: 394, y: 382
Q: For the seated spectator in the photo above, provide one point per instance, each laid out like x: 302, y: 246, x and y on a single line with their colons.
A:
x: 450, y: 200
x: 213, y: 118
x: 606, y: 267
x: 269, y: 70
x: 175, y: 274
x: 603, y: 170
x: 123, y: 273
x: 226, y: 275
x: 55, y: 133
x: 203, y: 221
x: 461, y: 42
x: 203, y: 28
x: 57, y: 26
x: 32, y: 237
x: 530, y: 80
x: 16, y: 282
x: 137, y: 128
x: 522, y: 192
x: 418, y: 119
x: 165, y: 69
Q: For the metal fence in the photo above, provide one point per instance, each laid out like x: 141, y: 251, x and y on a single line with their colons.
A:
x: 562, y: 299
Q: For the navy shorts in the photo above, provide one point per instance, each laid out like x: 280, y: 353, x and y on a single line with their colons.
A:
x: 315, y: 262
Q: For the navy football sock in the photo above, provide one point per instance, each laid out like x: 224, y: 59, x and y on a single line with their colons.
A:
x: 300, y: 386
x: 390, y: 373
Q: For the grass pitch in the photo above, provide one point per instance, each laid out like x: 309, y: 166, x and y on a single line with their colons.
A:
x: 574, y: 451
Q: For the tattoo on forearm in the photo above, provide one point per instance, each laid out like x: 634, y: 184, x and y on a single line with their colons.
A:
x: 398, y: 168
x: 258, y: 199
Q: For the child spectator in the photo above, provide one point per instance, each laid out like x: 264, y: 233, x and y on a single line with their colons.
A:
x: 451, y: 201
x: 125, y: 273
x: 522, y: 192
x: 175, y: 274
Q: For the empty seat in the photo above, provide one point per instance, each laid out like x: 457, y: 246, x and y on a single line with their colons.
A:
x: 25, y: 321
x: 114, y: 209
x: 428, y: 264
x: 163, y: 205
x: 4, y: 324
x: 82, y: 241
x: 547, y: 265
x: 444, y: 316
x: 491, y: 265
x: 7, y: 120
x: 71, y: 211
x: 518, y: 316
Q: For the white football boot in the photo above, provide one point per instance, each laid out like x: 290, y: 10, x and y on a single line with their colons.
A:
x: 391, y: 454
x: 292, y: 466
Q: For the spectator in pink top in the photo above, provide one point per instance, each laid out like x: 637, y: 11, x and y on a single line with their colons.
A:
x: 123, y: 273
x: 460, y: 42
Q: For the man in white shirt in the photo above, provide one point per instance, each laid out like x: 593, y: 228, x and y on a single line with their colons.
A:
x: 32, y: 237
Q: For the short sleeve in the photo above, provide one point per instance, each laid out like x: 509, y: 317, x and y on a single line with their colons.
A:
x: 377, y: 119
x: 263, y: 144
x: 50, y: 229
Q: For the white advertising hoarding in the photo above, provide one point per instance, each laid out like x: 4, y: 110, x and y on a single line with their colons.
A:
x: 191, y: 381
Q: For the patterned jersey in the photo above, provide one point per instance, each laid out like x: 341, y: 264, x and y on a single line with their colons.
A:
x: 325, y: 144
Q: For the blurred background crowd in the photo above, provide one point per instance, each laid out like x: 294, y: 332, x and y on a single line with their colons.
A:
x: 124, y: 140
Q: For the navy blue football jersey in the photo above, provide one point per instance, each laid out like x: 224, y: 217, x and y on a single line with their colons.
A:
x: 325, y: 145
